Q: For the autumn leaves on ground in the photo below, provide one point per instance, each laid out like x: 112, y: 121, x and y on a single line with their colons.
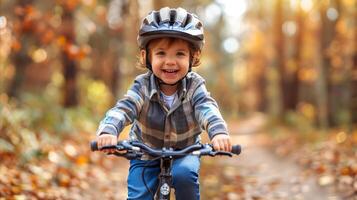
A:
x: 276, y: 163
x: 281, y: 163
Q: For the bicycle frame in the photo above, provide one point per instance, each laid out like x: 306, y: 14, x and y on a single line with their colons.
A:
x: 163, y: 191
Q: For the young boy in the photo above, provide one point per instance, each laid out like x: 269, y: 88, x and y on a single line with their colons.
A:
x: 169, y: 105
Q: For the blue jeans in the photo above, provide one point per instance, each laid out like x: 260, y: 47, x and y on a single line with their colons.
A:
x: 184, y: 178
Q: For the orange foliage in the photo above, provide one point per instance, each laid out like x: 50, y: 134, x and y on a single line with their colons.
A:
x: 16, y: 45
x: 71, y: 50
x: 69, y: 5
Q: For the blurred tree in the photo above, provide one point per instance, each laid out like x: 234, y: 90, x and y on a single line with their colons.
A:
x: 352, y: 53
x: 257, y: 60
x: 69, y: 52
x: 340, y: 53
x: 292, y: 78
x: 278, y: 63
x: 287, y: 67
x: 327, y: 35
x: 107, y: 42
x: 129, y: 48
x: 23, y: 30
x: 323, y: 84
x: 219, y: 65
x: 353, y: 87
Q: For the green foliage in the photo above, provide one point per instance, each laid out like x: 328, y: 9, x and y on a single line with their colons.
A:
x: 38, y: 121
x: 299, y: 121
x: 6, y: 146
x: 15, y: 128
x: 343, y: 117
x: 95, y: 96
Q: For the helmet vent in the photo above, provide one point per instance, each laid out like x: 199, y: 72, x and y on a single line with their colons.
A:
x: 199, y: 25
x: 188, y: 20
x: 157, y: 17
x: 172, y: 17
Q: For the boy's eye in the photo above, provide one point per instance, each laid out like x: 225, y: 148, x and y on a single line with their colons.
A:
x: 160, y: 53
x: 181, y: 53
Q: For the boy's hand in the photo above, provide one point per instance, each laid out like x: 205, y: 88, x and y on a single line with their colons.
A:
x: 106, y: 140
x: 222, y: 142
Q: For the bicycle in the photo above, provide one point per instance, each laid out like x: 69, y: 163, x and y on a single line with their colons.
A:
x: 135, y: 150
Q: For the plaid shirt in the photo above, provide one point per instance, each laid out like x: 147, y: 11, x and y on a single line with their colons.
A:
x: 154, y: 124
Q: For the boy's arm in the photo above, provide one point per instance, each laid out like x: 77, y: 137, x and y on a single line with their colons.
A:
x: 124, y: 113
x: 210, y: 119
x: 207, y: 113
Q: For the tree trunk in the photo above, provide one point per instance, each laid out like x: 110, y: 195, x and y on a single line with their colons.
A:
x: 288, y: 79
x: 292, y: 93
x: 21, y: 59
x: 108, y: 66
x: 348, y: 104
x: 277, y: 82
x: 261, y: 79
x: 336, y: 96
x: 70, y: 70
x: 322, y: 83
x: 353, y: 88
x: 336, y: 90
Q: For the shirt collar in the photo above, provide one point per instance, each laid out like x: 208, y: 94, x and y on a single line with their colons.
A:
x: 154, y: 88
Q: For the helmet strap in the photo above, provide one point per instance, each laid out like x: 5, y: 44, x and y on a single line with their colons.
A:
x: 148, y: 64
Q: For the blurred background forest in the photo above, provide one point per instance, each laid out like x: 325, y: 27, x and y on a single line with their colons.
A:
x: 63, y: 63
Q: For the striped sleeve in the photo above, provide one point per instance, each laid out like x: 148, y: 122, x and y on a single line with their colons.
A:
x: 124, y: 113
x: 207, y: 112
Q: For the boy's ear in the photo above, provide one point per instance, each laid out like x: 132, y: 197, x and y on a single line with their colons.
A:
x: 143, y: 57
x: 196, y: 58
x: 197, y: 54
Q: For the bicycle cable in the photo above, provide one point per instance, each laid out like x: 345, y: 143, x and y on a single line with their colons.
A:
x: 146, y: 165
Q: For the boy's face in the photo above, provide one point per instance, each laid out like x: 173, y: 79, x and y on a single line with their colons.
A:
x: 169, y: 59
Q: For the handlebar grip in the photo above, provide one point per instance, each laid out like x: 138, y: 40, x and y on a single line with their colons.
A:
x: 94, y: 146
x: 236, y: 149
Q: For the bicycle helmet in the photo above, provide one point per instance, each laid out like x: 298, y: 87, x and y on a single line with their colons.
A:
x: 169, y: 22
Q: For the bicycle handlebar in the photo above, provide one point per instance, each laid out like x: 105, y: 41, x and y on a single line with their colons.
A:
x: 137, y: 149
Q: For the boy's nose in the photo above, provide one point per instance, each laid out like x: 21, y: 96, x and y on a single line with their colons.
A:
x: 170, y: 60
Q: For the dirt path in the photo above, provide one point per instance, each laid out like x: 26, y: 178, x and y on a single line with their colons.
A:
x: 263, y: 175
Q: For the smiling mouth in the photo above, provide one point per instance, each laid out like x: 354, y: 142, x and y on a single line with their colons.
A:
x: 170, y: 70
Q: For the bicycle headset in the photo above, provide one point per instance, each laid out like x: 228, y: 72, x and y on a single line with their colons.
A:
x: 171, y: 22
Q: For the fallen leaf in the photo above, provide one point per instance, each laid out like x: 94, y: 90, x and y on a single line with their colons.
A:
x: 326, y: 180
